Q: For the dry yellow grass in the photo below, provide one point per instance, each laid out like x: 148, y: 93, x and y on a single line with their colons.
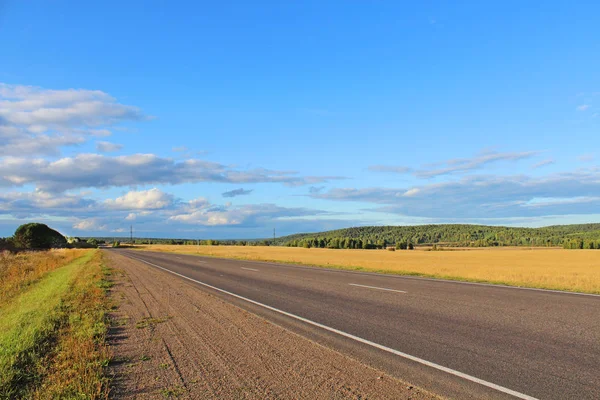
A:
x: 548, y: 268
x: 18, y: 271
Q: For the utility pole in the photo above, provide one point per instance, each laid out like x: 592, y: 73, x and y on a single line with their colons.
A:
x: 273, y: 236
x: 131, y: 233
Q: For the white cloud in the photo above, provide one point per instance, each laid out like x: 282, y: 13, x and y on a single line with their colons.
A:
x: 455, y: 166
x: 108, y: 147
x: 547, y: 202
x: 100, y: 171
x: 39, y: 121
x: 390, y: 168
x: 411, y: 192
x: 26, y: 203
x: 586, y: 157
x: 237, y: 192
x: 141, y: 200
x: 485, y: 196
x: 249, y: 215
x: 461, y: 165
x: 583, y: 107
x: 90, y: 225
x: 543, y: 163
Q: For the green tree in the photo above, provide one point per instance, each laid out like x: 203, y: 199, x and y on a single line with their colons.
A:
x: 402, y: 245
x: 38, y: 236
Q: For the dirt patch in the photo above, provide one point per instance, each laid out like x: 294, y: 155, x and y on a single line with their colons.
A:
x: 172, y: 340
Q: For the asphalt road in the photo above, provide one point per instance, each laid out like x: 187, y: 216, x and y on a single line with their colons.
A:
x: 456, y: 339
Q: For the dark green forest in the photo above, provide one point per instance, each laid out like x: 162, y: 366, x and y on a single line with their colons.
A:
x: 450, y: 235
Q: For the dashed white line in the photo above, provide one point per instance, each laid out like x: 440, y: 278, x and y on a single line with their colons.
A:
x: 357, y: 338
x: 250, y: 269
x: 378, y: 288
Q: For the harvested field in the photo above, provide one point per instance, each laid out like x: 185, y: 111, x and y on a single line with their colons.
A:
x: 547, y: 268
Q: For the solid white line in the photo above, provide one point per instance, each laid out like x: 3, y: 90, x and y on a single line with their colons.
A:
x: 356, y: 338
x: 378, y: 288
x: 250, y: 269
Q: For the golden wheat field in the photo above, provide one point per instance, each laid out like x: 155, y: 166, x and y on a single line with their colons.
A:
x: 548, y: 268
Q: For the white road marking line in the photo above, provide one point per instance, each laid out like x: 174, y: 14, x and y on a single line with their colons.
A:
x: 378, y: 288
x: 250, y: 269
x: 358, y: 339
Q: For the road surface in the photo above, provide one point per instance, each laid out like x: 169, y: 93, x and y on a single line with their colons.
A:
x: 456, y: 339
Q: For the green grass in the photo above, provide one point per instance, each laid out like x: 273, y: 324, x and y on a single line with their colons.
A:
x: 28, y: 326
x: 52, y: 335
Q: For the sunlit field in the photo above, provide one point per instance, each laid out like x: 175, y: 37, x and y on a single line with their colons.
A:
x: 549, y: 268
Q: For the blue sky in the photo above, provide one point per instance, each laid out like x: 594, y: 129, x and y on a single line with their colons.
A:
x: 227, y: 119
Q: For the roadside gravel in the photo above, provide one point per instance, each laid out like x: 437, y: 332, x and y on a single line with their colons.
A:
x: 173, y: 340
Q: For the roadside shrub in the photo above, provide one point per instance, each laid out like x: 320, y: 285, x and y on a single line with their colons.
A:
x: 38, y: 236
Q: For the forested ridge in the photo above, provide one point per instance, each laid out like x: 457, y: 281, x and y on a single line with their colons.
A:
x: 452, y: 235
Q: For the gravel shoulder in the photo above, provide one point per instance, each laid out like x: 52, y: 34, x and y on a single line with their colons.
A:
x: 170, y: 339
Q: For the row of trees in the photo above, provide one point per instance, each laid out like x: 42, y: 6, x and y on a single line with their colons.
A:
x: 208, y: 242
x: 349, y: 243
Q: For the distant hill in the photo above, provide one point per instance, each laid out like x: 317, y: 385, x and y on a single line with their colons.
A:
x: 572, y: 236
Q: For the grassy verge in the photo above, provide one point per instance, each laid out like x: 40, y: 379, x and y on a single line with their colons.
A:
x: 19, y: 271
x: 52, y: 335
x: 556, y: 269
